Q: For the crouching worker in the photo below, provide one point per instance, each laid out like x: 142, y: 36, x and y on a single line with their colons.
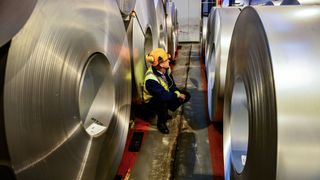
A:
x: 160, y: 92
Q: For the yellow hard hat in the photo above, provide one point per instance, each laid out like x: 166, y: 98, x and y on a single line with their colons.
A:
x: 157, y: 56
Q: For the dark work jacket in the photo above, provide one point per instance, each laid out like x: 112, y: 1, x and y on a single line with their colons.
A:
x: 157, y: 91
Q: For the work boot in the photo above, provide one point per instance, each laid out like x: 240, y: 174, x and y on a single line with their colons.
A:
x: 162, y: 127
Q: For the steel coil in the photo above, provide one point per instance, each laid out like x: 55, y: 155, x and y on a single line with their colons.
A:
x: 309, y: 2
x: 161, y: 25
x: 208, y: 52
x: 222, y: 24
x: 204, y: 33
x: 272, y: 99
x: 126, y: 6
x: 300, y: 2
x: 147, y: 17
x: 13, y: 15
x: 170, y: 11
x: 67, y: 91
x: 285, y: 2
x: 210, y: 34
x: 143, y: 37
x: 176, y: 25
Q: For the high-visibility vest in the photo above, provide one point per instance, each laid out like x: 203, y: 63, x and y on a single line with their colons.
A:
x: 150, y: 75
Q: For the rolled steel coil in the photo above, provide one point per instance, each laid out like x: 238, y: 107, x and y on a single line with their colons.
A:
x: 300, y: 2
x: 210, y: 34
x: 161, y: 25
x: 204, y: 35
x: 176, y: 25
x: 223, y: 23
x: 172, y: 41
x: 143, y: 37
x: 208, y: 52
x: 126, y: 6
x: 271, y: 107
x: 147, y: 18
x: 13, y: 15
x: 285, y: 2
x: 309, y: 2
x: 67, y: 91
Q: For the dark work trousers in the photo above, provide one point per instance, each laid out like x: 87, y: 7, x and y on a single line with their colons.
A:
x: 161, y: 107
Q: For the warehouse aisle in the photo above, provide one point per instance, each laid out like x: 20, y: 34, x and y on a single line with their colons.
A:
x: 192, y: 157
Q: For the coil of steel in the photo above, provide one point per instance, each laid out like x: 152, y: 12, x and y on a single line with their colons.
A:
x: 309, y: 2
x: 161, y: 25
x: 272, y: 99
x: 176, y: 25
x: 147, y: 18
x: 143, y: 37
x: 13, y: 15
x: 126, y: 6
x: 208, y: 52
x: 222, y: 23
x: 300, y: 2
x: 204, y: 34
x: 285, y: 2
x: 67, y: 91
x: 172, y: 41
x: 210, y: 34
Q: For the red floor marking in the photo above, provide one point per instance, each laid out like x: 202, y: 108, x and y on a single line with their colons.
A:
x: 216, y: 149
x: 215, y: 135
x: 129, y: 158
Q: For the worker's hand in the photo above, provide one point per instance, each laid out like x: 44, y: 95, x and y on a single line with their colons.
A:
x: 182, y: 97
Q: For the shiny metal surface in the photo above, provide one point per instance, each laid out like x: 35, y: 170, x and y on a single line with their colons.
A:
x: 171, y: 29
x: 277, y: 59
x: 300, y: 2
x: 210, y: 34
x: 222, y: 25
x: 309, y: 2
x: 143, y: 37
x: 13, y: 15
x: 225, y: 21
x: 161, y: 25
x: 67, y: 91
x: 208, y: 52
x: 147, y: 17
x: 176, y: 28
x: 176, y: 22
x: 204, y: 34
x: 137, y: 43
x: 126, y: 6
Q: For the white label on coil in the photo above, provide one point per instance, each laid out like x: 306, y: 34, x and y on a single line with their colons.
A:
x: 95, y: 129
x: 243, y: 159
